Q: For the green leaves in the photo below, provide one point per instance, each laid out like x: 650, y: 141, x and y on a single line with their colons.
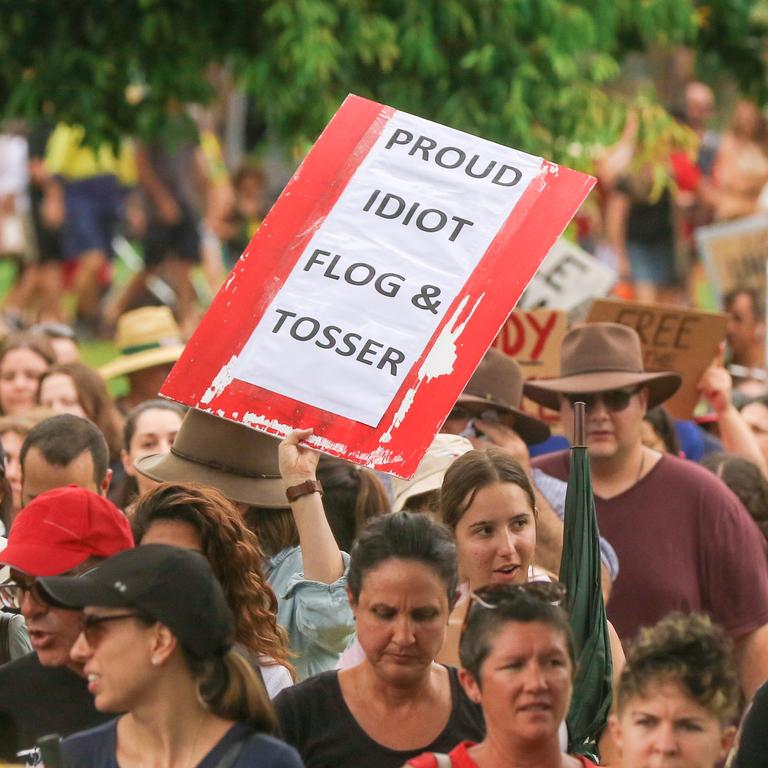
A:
x: 531, y: 73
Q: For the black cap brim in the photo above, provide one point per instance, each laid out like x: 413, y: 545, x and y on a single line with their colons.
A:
x: 78, y: 591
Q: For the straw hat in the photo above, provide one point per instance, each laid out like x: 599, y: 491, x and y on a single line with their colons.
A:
x: 498, y: 383
x: 236, y: 460
x: 146, y: 337
x: 597, y: 357
x: 443, y: 451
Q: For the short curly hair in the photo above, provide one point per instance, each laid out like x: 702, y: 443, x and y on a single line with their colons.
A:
x: 689, y: 650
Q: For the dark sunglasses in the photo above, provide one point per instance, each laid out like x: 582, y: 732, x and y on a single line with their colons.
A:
x: 614, y: 400
x: 459, y: 412
x: 93, y: 629
x: 491, y: 597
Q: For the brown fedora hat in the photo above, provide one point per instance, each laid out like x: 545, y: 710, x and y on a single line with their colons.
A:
x: 596, y: 357
x: 498, y: 383
x: 236, y: 460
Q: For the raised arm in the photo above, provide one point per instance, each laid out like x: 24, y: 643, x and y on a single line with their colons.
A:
x: 319, y: 551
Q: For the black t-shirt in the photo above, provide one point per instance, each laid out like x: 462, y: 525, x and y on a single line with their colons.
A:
x: 37, y: 700
x: 753, y: 743
x: 315, y: 719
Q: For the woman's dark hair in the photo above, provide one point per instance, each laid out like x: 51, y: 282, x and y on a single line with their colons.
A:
x: 485, y: 624
x: 274, y: 528
x: 474, y: 471
x: 664, y: 427
x: 230, y: 688
x: 404, y: 536
x: 95, y: 400
x: 689, y: 650
x: 235, y: 558
x: 129, y: 426
x: 352, y: 495
x: 746, y: 481
x: 35, y: 342
x: 129, y: 488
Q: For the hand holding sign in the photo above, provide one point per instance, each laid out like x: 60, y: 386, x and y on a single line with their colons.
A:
x: 297, y: 463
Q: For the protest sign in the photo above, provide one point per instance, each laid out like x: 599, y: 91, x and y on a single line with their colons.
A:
x: 533, y: 338
x: 567, y: 278
x: 735, y: 254
x: 673, y: 339
x: 379, y: 278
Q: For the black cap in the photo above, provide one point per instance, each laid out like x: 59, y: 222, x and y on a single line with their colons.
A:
x: 172, y: 585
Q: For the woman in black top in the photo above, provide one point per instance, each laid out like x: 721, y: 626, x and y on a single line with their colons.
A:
x: 397, y: 702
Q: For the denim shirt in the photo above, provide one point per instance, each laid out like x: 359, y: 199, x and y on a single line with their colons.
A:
x: 316, y: 616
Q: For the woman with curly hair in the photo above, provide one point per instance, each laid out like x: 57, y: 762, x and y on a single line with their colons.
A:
x: 677, y: 695
x: 187, y: 515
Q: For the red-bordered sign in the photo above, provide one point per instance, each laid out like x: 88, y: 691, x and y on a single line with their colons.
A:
x: 364, y: 139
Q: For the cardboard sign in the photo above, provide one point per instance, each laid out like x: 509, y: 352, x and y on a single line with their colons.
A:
x: 735, y: 254
x: 673, y: 339
x: 533, y: 338
x: 369, y: 294
x: 567, y: 278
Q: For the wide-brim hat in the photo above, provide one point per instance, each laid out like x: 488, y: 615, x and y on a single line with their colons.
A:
x: 597, y: 357
x: 145, y: 337
x: 498, y: 383
x: 236, y: 460
x: 442, y: 452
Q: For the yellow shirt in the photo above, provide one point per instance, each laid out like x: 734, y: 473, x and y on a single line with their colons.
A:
x: 68, y: 157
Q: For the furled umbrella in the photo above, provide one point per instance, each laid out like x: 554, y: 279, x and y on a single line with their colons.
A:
x: 580, y: 572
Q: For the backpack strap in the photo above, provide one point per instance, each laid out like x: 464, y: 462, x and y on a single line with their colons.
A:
x: 5, y: 636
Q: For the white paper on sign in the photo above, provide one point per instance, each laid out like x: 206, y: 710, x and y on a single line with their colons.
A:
x: 566, y: 278
x: 343, y: 337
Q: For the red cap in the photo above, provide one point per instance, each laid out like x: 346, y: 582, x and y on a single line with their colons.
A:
x: 62, y: 528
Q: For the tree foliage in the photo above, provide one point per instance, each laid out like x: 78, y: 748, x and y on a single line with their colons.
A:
x: 530, y: 73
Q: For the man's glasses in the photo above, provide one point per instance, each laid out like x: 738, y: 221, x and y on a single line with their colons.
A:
x: 491, y: 597
x: 93, y: 629
x: 460, y: 413
x: 12, y: 592
x: 614, y: 400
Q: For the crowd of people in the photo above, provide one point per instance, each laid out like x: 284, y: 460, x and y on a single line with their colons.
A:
x: 181, y: 590
x: 68, y: 208
x: 647, y: 230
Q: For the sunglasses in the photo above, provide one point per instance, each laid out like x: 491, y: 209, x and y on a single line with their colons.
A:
x: 460, y: 413
x: 93, y: 629
x: 614, y: 400
x: 491, y: 597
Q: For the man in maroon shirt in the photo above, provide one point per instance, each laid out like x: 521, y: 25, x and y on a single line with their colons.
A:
x: 683, y: 539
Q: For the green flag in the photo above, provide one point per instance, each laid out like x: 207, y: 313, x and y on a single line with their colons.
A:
x: 580, y: 572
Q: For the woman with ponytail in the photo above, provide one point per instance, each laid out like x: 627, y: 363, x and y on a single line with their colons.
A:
x: 156, y: 644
